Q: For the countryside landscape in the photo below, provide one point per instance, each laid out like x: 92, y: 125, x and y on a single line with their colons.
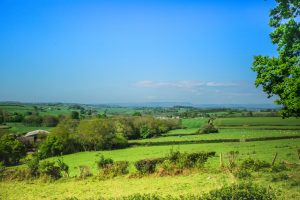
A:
x: 131, y: 100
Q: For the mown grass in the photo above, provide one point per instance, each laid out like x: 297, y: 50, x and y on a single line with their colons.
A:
x: 93, y: 188
x: 183, y: 131
x: 262, y: 150
x: 121, y: 186
x: 223, y: 134
x: 257, y: 121
x: 20, y: 128
x: 194, y: 122
x: 211, y: 177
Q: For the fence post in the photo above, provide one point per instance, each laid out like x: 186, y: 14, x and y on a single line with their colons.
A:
x: 221, y: 160
x: 274, y: 159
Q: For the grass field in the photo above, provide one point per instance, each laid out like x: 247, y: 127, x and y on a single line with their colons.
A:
x: 223, y: 134
x: 271, y: 122
x: 261, y: 149
x: 196, y: 182
x: 194, y: 122
x: 20, y: 128
x: 193, y: 183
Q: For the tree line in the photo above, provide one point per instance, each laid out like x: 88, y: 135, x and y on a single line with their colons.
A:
x: 93, y: 134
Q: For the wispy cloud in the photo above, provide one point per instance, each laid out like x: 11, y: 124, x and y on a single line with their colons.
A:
x: 198, y: 91
x: 187, y: 84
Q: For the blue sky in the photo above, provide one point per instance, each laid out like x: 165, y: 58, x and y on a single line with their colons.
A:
x: 132, y: 51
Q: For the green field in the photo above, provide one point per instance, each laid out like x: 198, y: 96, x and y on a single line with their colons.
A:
x: 194, y: 122
x: 21, y: 128
x: 195, y: 182
x: 223, y: 134
x: 259, y: 122
x: 261, y: 149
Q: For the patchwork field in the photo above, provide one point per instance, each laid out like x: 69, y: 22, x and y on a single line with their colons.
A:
x: 193, y: 182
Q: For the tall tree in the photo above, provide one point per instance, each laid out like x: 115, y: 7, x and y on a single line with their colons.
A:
x: 280, y: 76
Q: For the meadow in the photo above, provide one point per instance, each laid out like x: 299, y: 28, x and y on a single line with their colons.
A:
x: 277, y: 135
x: 193, y: 183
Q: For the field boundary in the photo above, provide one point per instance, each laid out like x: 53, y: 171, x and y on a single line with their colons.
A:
x: 163, y: 143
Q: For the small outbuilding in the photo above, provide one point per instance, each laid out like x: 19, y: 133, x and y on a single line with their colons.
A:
x: 35, y: 136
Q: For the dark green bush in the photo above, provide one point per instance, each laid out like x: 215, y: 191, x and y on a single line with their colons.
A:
x: 11, y: 150
x: 119, y: 142
x: 63, y: 167
x: 242, y: 174
x: 185, y: 160
x: 50, y: 169
x: 52, y: 146
x: 243, y: 191
x: 50, y: 121
x: 254, y: 165
x: 116, y: 169
x: 279, y: 167
x: 33, y: 120
x: 104, y: 162
x: 147, y: 166
x: 33, y: 166
x: 208, y: 128
x: 280, y: 177
x: 174, y: 163
x: 2, y: 169
x: 199, y: 158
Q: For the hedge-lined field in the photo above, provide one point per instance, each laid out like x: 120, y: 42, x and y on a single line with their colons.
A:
x: 260, y: 149
x: 193, y: 183
x: 223, y: 134
x: 258, y: 121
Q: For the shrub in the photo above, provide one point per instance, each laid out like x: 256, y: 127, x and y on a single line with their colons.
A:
x: 104, y: 162
x: 11, y: 150
x: 120, y: 167
x: 52, y: 146
x: 49, y: 169
x: 245, y: 191
x: 242, y: 174
x: 50, y: 121
x: 278, y: 167
x: 63, y: 167
x: 118, y: 142
x: 173, y: 156
x: 147, y: 166
x: 208, y: 128
x: 33, y: 166
x: 185, y: 160
x: 33, y: 120
x: 199, y: 159
x: 85, y: 171
x: 115, y: 169
x: 254, y: 165
x: 167, y: 167
x: 280, y: 177
x: 2, y: 169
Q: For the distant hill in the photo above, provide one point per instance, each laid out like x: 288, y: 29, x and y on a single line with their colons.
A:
x: 187, y: 104
x: 153, y: 105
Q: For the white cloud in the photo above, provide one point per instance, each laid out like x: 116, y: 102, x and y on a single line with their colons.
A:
x: 187, y: 84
